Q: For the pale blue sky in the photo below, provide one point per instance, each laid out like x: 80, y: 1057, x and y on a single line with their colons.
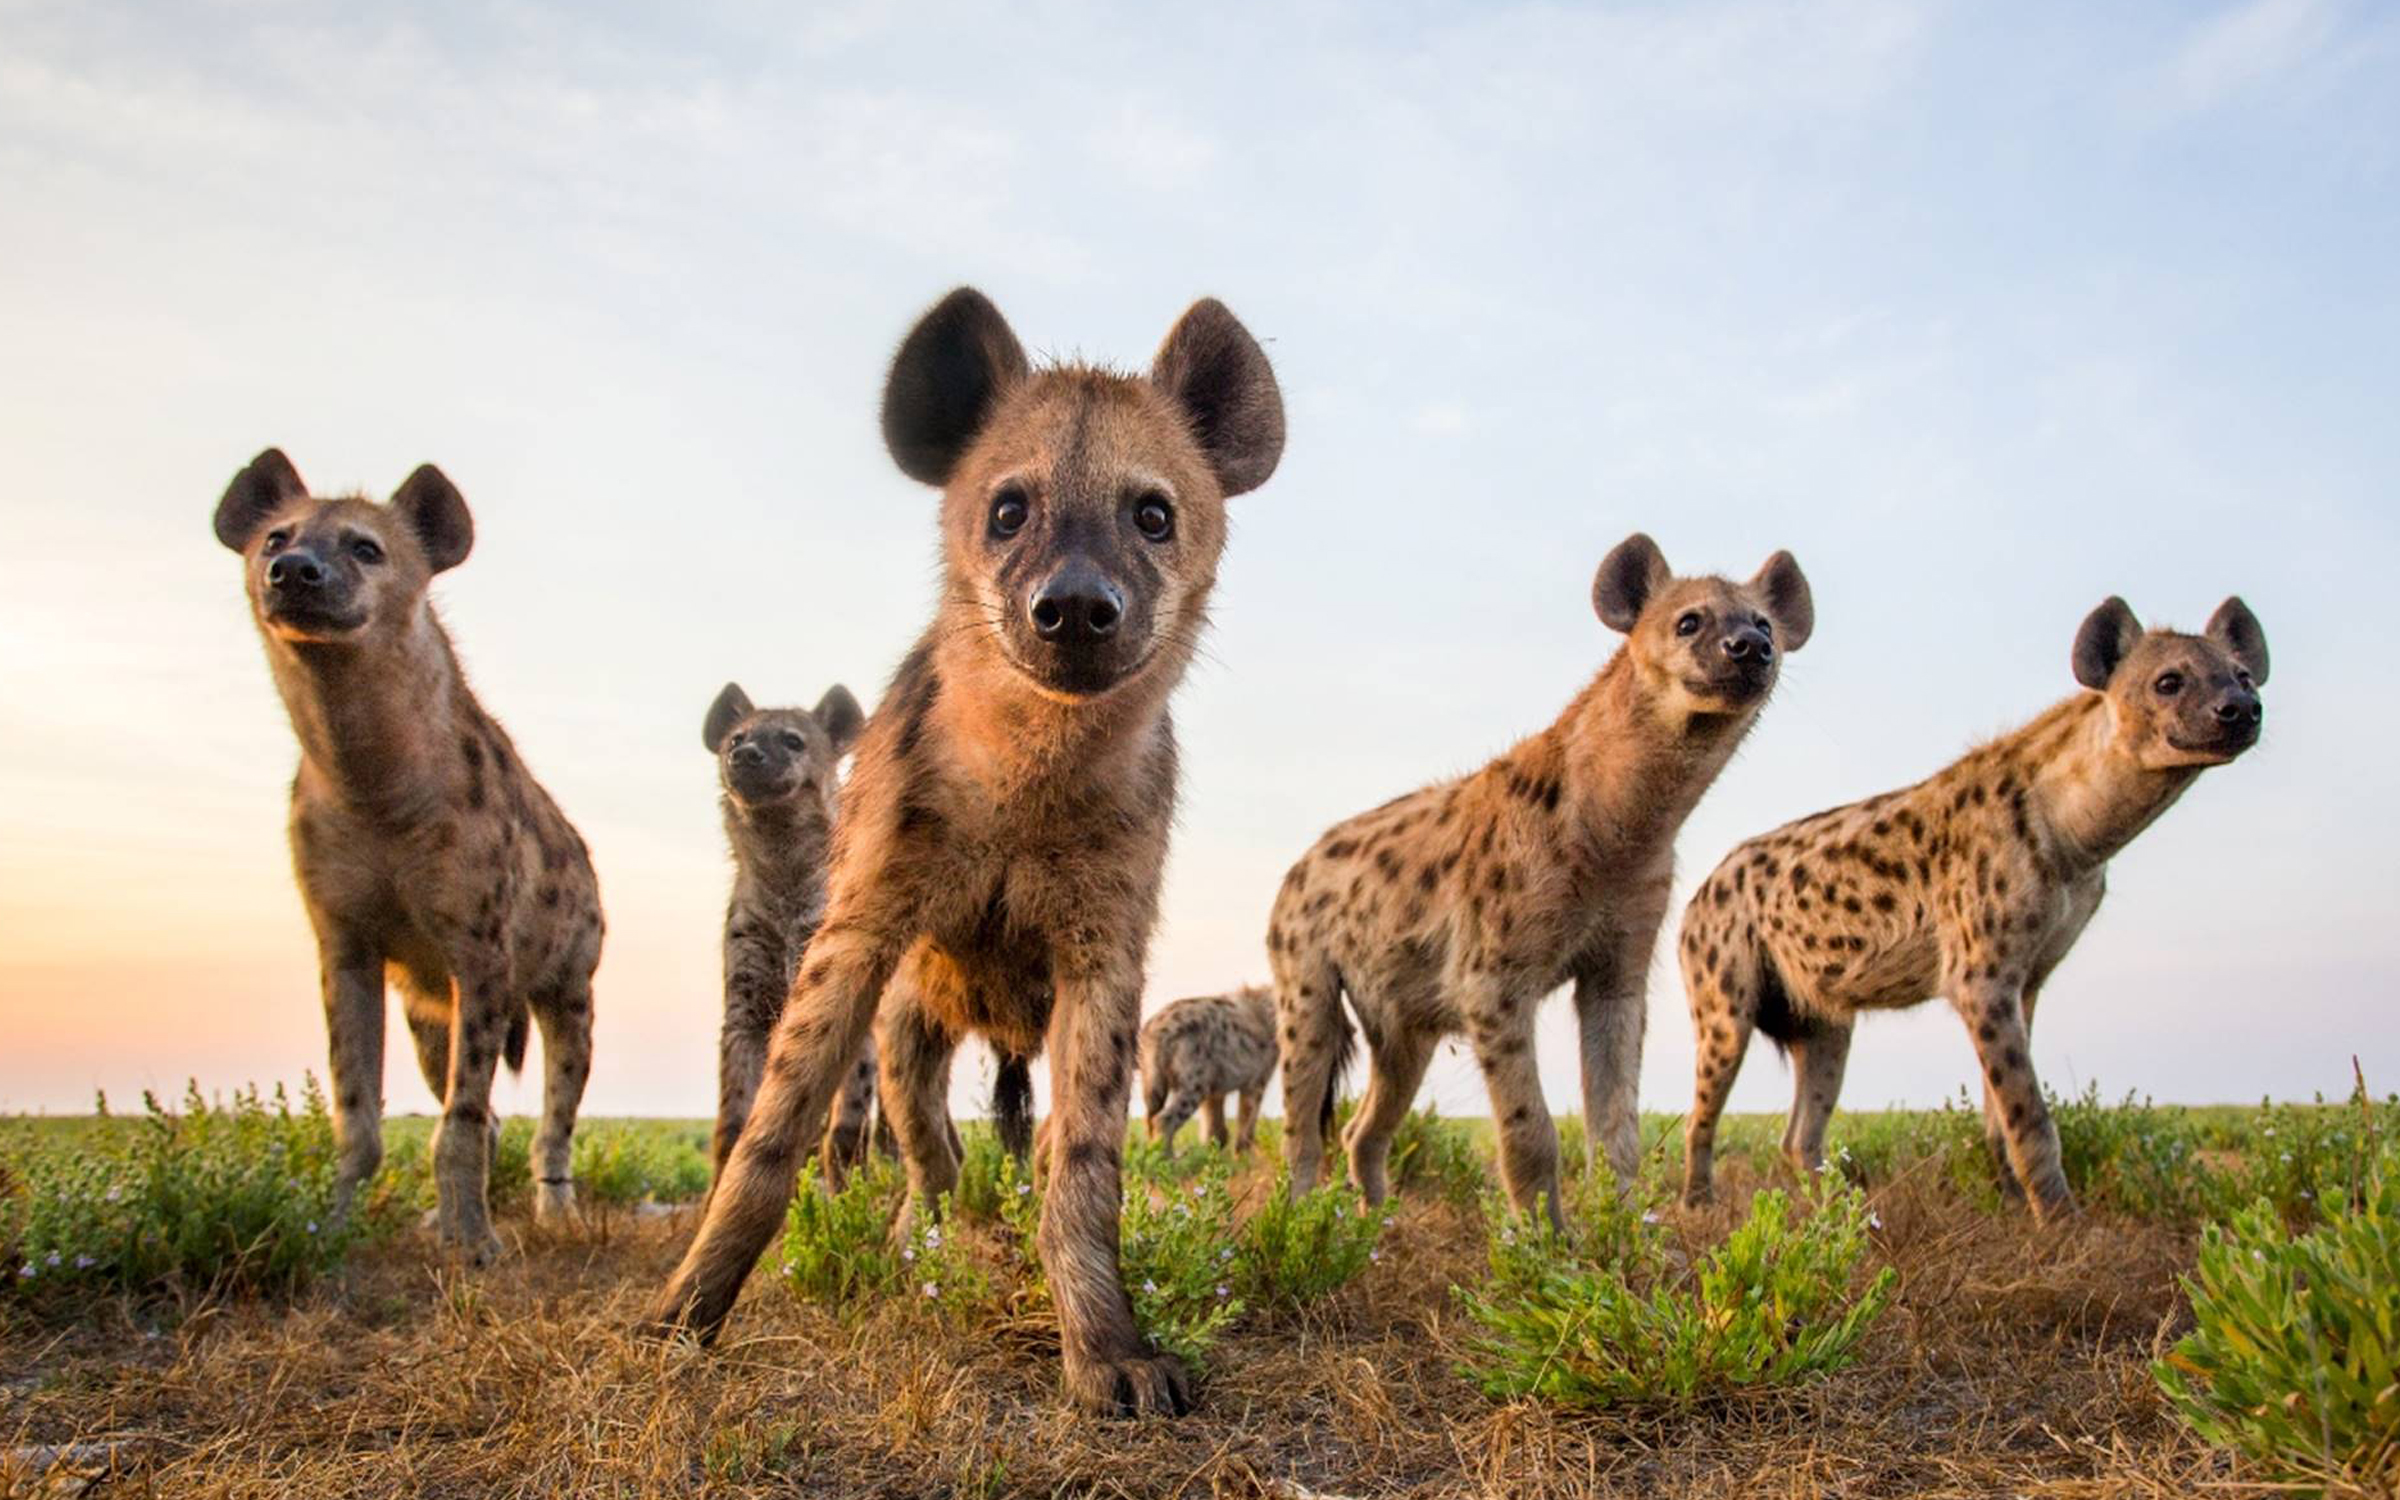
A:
x: 1985, y: 311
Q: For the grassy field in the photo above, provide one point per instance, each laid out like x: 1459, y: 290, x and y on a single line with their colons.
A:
x: 2006, y: 1360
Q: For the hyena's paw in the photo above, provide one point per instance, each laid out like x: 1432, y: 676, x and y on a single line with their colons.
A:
x: 471, y: 1244
x: 1137, y: 1385
x: 554, y: 1204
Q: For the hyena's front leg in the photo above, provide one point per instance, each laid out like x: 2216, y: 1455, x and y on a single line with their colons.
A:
x: 757, y: 980
x: 1502, y: 1036
x: 822, y: 1028
x: 351, y: 972
x: 1995, y: 1115
x: 462, y: 1146
x: 1996, y: 1021
x: 1110, y: 1369
x: 1611, y: 1010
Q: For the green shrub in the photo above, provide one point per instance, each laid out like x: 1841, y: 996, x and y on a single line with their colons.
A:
x: 837, y: 1247
x: 1299, y: 1250
x: 1432, y: 1154
x: 2133, y: 1156
x: 232, y: 1197
x: 1615, y: 1320
x: 621, y: 1164
x: 2294, y: 1358
x: 984, y: 1173
x: 2310, y: 1161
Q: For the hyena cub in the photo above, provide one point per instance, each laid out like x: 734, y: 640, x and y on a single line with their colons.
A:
x: 779, y: 769
x: 1196, y: 1051
x: 1971, y: 885
x: 998, y: 856
x: 427, y: 854
x: 1457, y: 908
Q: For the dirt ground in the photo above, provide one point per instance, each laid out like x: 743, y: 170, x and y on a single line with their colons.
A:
x: 2011, y: 1362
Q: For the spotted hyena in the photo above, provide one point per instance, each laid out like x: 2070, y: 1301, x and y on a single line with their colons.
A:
x: 427, y: 854
x: 778, y: 770
x: 1457, y: 908
x: 779, y: 773
x: 1196, y: 1051
x: 1971, y: 885
x: 998, y: 856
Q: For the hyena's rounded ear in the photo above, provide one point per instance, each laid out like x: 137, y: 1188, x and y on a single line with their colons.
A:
x: 1633, y: 570
x: 2107, y: 634
x: 437, y: 513
x: 2238, y: 631
x: 838, y: 714
x: 732, y: 706
x: 266, y: 486
x: 950, y: 369
x: 1214, y: 370
x: 1784, y: 588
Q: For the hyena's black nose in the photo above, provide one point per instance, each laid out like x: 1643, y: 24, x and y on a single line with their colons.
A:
x: 295, y: 567
x: 1076, y: 604
x: 749, y: 753
x: 2241, y: 708
x: 1750, y: 644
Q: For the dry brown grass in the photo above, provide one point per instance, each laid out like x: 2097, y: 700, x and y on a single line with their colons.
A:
x: 2011, y: 1362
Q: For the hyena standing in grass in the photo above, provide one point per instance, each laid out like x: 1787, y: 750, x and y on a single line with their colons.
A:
x: 998, y: 856
x: 1196, y: 1051
x: 779, y: 769
x: 1971, y: 885
x: 1457, y: 908
x: 426, y: 853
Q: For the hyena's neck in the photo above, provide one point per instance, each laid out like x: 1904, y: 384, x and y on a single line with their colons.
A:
x: 1024, y: 745
x: 780, y: 850
x: 375, y: 719
x: 2092, y: 796
x: 1632, y: 766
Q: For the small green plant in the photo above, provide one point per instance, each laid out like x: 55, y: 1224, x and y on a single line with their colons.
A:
x: 837, y: 1246
x: 2294, y: 1358
x: 620, y: 1164
x: 1778, y: 1301
x: 1299, y: 1250
x: 233, y: 1197
x: 1432, y: 1154
x: 983, y: 1173
x: 1176, y: 1246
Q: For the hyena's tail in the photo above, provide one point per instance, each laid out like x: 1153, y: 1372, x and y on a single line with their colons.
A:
x: 1316, y: 1037
x: 1012, y: 1104
x: 512, y: 1048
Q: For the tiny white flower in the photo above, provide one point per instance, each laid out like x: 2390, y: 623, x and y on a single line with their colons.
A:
x: 1149, y: 1285
x: 312, y: 1226
x: 1221, y: 1293
x: 908, y: 1252
x: 84, y: 1262
x: 933, y: 1236
x: 54, y: 1260
x: 1225, y: 1254
x: 931, y: 1290
x: 1023, y: 1188
x: 1650, y: 1216
x: 1874, y: 1221
x: 1375, y: 1255
x: 26, y: 1271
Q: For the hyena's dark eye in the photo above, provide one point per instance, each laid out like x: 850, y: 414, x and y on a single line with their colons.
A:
x: 1689, y: 624
x: 276, y: 542
x: 793, y: 742
x: 1008, y: 512
x: 2169, y: 684
x: 1154, y: 517
x: 366, y: 550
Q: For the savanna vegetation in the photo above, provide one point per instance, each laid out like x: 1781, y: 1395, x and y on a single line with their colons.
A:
x: 185, y: 1314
